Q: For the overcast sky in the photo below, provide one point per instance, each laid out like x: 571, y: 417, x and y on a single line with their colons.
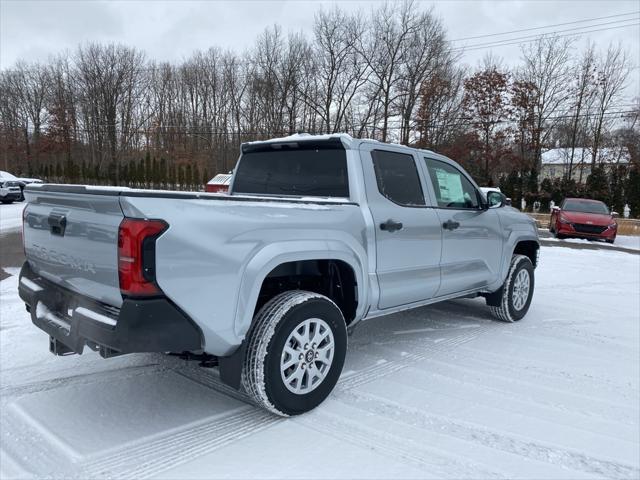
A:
x: 171, y: 30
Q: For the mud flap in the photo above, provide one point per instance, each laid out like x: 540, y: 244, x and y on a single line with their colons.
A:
x: 494, y: 299
x: 231, y: 367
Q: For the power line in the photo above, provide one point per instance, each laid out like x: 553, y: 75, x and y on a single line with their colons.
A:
x: 577, y: 31
x: 545, y: 26
x: 519, y: 42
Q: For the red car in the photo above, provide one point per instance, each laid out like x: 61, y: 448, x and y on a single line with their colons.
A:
x: 583, y: 218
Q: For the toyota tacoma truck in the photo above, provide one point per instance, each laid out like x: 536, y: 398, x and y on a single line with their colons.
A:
x: 316, y: 234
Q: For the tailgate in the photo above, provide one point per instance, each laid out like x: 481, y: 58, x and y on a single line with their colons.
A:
x: 71, y: 239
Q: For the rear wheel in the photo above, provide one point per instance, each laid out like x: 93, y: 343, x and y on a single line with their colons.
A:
x: 295, y: 354
x: 514, y: 298
x: 7, y: 201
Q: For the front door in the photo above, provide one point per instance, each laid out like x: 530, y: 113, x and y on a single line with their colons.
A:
x: 408, y: 233
x: 471, y: 235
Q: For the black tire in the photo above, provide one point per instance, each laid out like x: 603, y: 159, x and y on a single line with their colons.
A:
x: 610, y: 241
x: 506, y: 310
x: 7, y: 202
x: 262, y: 378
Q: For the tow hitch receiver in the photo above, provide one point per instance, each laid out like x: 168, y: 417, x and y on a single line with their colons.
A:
x: 58, y: 348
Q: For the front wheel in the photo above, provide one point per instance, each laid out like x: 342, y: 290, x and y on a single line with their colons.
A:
x: 296, y: 352
x: 512, y: 301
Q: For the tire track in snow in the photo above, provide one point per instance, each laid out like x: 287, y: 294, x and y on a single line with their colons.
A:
x: 18, y: 437
x: 9, y: 391
x: 377, y: 371
x: 197, y: 442
x: 178, y: 447
x: 393, y: 446
x: 533, y: 450
x: 186, y: 443
x: 499, y: 363
x: 459, y: 375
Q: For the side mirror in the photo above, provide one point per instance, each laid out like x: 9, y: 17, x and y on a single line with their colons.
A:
x: 555, y: 209
x: 496, y: 199
x: 615, y: 214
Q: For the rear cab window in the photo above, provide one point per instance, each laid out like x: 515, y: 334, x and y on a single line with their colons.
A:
x: 397, y: 178
x: 296, y: 169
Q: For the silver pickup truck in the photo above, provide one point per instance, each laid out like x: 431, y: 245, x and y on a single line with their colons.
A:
x: 316, y: 234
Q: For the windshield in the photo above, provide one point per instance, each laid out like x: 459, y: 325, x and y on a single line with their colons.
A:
x: 300, y: 172
x: 7, y: 175
x: 584, y: 206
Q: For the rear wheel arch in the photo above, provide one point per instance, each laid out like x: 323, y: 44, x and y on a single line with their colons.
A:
x: 264, y: 264
x: 332, y: 278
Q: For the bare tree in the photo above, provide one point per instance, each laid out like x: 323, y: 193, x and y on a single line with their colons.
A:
x: 582, y: 93
x: 427, y: 55
x: 486, y: 105
x: 438, y: 117
x: 108, y: 79
x: 612, y: 72
x: 546, y: 68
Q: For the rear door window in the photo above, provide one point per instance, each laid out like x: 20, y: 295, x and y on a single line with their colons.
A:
x: 397, y: 178
x: 301, y: 171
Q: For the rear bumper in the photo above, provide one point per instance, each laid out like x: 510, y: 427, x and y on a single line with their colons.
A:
x: 73, y: 321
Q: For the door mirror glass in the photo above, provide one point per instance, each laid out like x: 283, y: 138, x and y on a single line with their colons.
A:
x: 496, y: 199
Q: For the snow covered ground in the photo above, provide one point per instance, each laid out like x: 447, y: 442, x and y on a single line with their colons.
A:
x: 624, y: 241
x: 442, y: 391
x: 11, y: 216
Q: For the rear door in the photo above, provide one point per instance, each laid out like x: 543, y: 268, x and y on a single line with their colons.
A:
x: 471, y: 235
x: 408, y: 233
x: 71, y: 239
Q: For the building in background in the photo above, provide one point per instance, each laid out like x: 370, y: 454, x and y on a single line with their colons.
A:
x: 555, y: 162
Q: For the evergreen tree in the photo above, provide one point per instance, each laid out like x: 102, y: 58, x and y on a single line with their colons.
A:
x: 597, y: 185
x: 188, y: 177
x: 632, y: 191
x: 163, y: 173
x: 618, y: 175
x: 195, y: 180
x: 147, y: 169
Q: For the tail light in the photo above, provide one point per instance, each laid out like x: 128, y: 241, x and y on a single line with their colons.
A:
x: 137, y: 256
x: 216, y: 188
x: 24, y: 219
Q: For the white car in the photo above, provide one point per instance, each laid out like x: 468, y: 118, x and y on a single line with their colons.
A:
x: 8, y: 182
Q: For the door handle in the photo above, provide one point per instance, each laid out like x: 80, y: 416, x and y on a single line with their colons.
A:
x: 450, y: 225
x: 391, y: 226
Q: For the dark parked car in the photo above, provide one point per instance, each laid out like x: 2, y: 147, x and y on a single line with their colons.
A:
x: 583, y: 218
